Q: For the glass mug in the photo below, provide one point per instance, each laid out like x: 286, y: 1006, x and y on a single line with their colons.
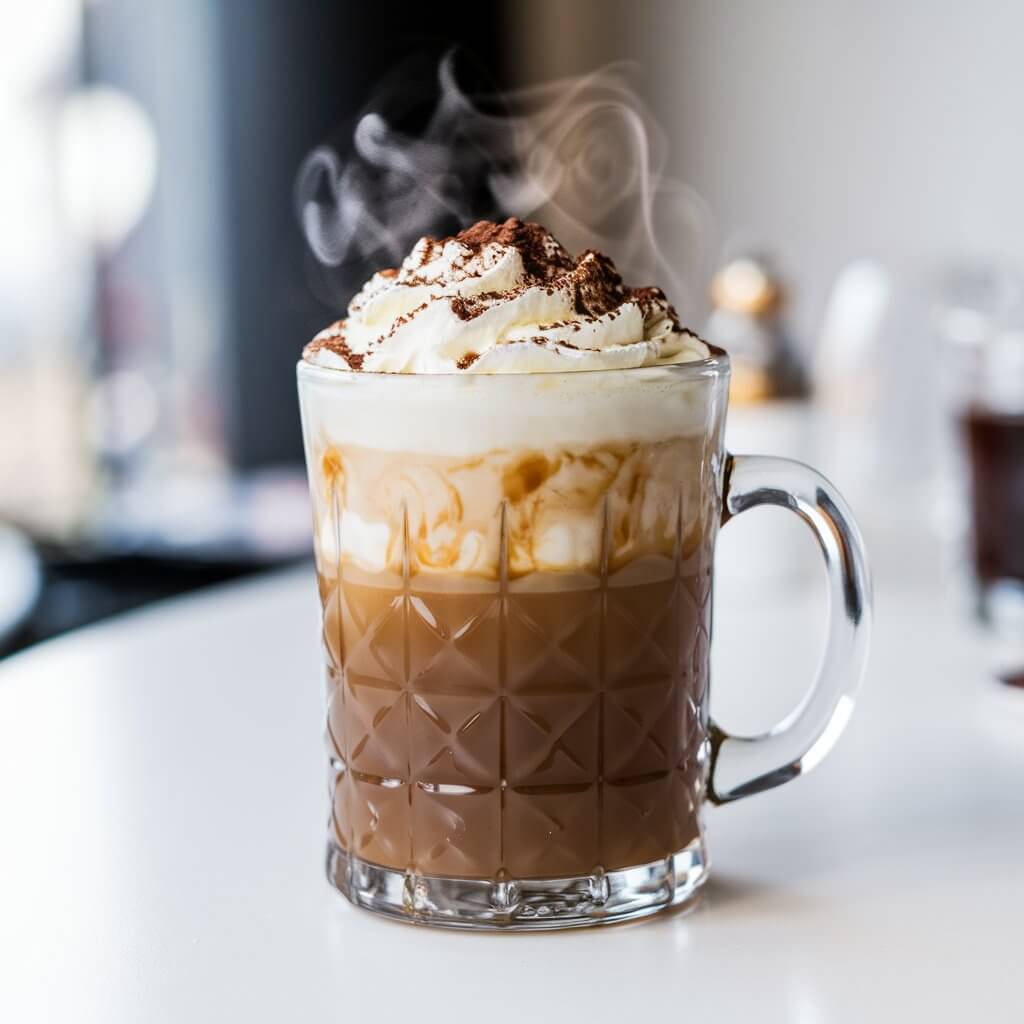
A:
x: 979, y: 313
x: 989, y: 404
x: 516, y: 576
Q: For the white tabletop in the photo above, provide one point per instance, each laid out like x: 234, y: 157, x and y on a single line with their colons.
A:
x: 162, y: 787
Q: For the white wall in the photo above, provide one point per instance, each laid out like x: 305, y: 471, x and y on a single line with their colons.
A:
x: 827, y: 130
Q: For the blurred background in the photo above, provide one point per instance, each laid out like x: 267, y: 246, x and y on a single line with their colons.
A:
x: 858, y: 168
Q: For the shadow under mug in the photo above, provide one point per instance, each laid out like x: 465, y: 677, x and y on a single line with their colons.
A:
x: 516, y: 576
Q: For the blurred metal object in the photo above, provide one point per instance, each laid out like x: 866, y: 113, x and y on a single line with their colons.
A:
x: 769, y: 413
x: 748, y: 321
x: 20, y: 581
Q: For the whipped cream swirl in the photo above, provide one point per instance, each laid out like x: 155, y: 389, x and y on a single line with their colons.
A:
x: 503, y: 298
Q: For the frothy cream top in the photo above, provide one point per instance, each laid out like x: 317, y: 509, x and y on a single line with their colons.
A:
x: 503, y: 298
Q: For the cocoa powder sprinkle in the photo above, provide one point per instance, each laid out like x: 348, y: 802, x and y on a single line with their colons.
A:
x: 592, y: 285
x: 542, y: 260
x: 335, y: 342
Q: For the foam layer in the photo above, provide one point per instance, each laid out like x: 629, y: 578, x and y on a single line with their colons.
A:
x: 465, y: 414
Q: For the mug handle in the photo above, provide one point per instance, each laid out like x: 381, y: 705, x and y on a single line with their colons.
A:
x: 800, y: 741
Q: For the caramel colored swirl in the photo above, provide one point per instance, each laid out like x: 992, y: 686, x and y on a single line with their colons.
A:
x: 570, y: 508
x: 503, y: 298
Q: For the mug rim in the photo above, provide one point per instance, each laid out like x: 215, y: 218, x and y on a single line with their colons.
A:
x: 714, y: 364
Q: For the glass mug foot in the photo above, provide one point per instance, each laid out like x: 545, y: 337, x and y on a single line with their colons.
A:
x: 522, y: 904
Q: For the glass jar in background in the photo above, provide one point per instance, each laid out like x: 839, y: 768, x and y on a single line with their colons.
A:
x: 982, y: 320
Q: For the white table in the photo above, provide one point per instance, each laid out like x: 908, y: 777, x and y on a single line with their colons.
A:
x: 162, y: 790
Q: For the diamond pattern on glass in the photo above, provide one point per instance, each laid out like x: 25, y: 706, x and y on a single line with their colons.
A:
x: 642, y: 815
x: 372, y: 634
x: 453, y: 742
x: 461, y: 828
x: 641, y: 631
x: 376, y: 730
x: 532, y: 727
x: 341, y: 812
x: 552, y: 738
x: 555, y: 640
x: 641, y: 728
x: 551, y: 831
x: 454, y: 641
x: 380, y: 821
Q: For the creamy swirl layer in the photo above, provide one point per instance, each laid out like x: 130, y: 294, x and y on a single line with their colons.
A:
x: 483, y: 475
x: 565, y: 508
x: 503, y: 298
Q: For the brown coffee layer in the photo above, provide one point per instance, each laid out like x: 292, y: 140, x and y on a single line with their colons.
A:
x: 548, y: 726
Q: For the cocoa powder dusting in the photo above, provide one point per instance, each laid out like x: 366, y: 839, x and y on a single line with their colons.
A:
x: 543, y: 258
x: 592, y: 285
x: 405, y: 318
x: 333, y: 340
x: 599, y: 287
x: 650, y: 298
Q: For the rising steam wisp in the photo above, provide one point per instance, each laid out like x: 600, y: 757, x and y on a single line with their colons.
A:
x: 583, y: 156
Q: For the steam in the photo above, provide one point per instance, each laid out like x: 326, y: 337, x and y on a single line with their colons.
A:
x: 583, y: 156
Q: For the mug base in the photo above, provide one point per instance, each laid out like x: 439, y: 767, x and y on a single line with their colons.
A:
x: 521, y: 904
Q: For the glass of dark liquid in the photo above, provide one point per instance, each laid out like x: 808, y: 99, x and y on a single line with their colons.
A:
x: 991, y: 415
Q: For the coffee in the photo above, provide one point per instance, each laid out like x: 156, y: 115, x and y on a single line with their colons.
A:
x: 514, y: 565
x: 518, y: 474
x: 517, y: 659
x: 995, y: 447
x: 549, y: 725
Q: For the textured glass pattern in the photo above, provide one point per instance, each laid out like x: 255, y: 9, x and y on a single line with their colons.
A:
x: 517, y: 634
x: 547, y: 726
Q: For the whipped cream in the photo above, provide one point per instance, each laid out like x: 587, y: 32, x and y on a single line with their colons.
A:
x: 503, y: 298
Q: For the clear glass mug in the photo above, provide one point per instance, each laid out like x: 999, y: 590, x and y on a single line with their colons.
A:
x: 988, y: 400
x: 516, y: 577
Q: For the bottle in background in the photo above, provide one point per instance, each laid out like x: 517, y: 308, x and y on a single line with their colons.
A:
x: 981, y: 319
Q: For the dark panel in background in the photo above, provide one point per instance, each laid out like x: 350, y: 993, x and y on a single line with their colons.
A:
x: 295, y: 75
x: 238, y: 93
